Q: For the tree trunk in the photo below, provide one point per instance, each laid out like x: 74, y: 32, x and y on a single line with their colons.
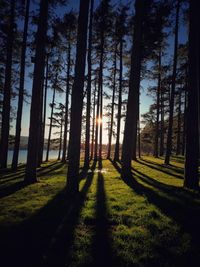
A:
x: 87, y: 139
x: 134, y: 85
x: 32, y: 157
x: 162, y: 111
x: 113, y: 104
x: 158, y: 106
x: 21, y: 90
x: 97, y: 124
x: 50, y: 125
x: 178, y: 140
x: 60, y: 146
x: 67, y: 103
x: 44, y: 109
x: 93, y: 123
x: 171, y: 104
x: 5, y: 127
x: 101, y: 95
x: 77, y: 100
x: 40, y: 125
x: 184, y: 121
x: 192, y: 130
x: 116, y: 156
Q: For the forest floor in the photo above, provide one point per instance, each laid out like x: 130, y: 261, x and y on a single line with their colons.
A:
x: 146, y: 220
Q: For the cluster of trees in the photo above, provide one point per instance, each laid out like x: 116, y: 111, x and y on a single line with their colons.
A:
x: 96, y: 59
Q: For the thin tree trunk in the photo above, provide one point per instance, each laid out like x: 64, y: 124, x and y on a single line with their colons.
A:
x: 77, y: 100
x: 87, y: 140
x: 101, y: 95
x: 113, y: 104
x: 32, y: 157
x: 178, y: 141
x: 171, y: 104
x: 184, y: 121
x: 161, y: 122
x: 40, y: 126
x: 21, y: 90
x: 116, y: 156
x: 60, y: 145
x: 139, y: 141
x: 67, y: 102
x: 93, y: 123
x: 5, y: 127
x: 97, y: 124
x: 50, y: 125
x: 44, y: 108
x: 158, y: 106
x: 191, y: 179
x: 134, y: 84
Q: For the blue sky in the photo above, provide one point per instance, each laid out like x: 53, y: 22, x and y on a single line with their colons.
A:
x: 145, y: 100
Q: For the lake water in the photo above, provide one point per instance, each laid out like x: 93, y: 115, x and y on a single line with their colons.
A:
x: 53, y: 154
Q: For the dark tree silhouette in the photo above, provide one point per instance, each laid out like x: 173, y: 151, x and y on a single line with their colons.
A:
x: 77, y: 100
x: 172, y: 93
x: 7, y: 90
x: 21, y: 89
x: 87, y: 138
x: 38, y: 78
x: 121, y: 31
x: 134, y: 84
x: 192, y: 127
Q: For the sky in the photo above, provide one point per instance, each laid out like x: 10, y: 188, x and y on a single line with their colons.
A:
x: 145, y: 100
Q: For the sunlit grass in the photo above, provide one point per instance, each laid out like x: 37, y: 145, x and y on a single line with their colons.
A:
x: 147, y: 221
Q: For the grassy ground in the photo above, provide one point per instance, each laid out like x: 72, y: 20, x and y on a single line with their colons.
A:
x: 146, y: 220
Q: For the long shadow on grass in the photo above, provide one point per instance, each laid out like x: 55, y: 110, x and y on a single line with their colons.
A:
x: 8, y: 187
x: 45, y: 238
x: 101, y: 242
x: 176, y: 206
x: 162, y: 168
x: 58, y: 252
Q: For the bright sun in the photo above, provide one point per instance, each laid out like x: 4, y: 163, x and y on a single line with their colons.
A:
x: 99, y: 121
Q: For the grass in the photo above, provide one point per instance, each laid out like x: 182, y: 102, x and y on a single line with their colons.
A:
x: 147, y: 219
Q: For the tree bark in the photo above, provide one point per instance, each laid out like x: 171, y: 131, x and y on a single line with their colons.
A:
x: 77, y: 100
x: 93, y: 123
x: 51, y: 121
x: 7, y: 91
x: 87, y: 139
x: 113, y: 104
x: 60, y: 145
x: 97, y: 124
x: 134, y: 84
x: 21, y: 90
x: 171, y: 104
x: 162, y: 111
x: 158, y: 106
x: 192, y: 130
x: 178, y: 140
x: 67, y: 102
x: 32, y: 157
x: 101, y: 95
x: 116, y: 156
x: 44, y: 109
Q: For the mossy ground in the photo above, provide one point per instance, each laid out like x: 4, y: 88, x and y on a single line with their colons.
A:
x: 146, y: 220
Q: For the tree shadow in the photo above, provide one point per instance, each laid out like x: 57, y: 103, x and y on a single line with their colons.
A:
x: 42, y: 171
x: 101, y: 248
x: 57, y: 253
x: 11, y: 189
x: 162, y: 168
x: 45, y: 238
x: 175, y: 203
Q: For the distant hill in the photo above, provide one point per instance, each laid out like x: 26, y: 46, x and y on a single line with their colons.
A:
x: 23, y: 142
